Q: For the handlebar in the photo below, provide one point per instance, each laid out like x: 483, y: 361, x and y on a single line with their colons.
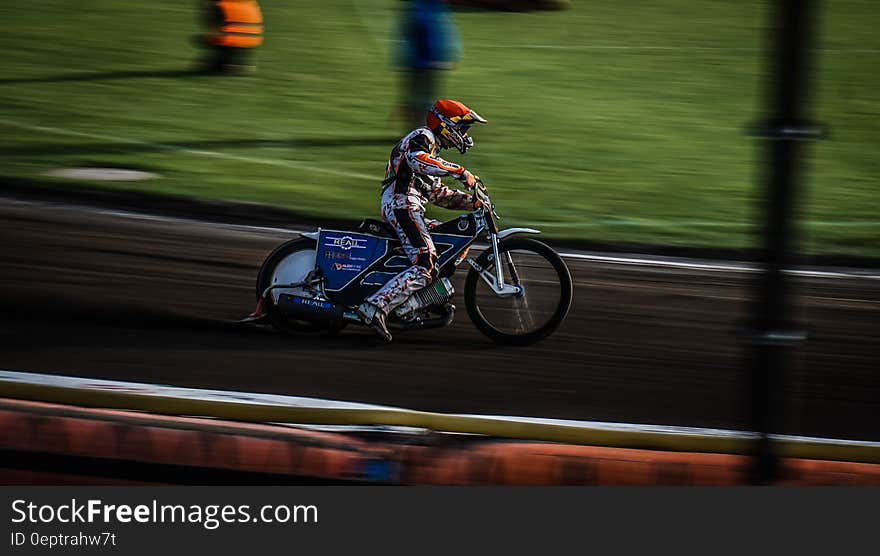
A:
x: 482, y: 194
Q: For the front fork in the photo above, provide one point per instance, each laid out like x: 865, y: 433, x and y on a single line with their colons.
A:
x: 496, y: 280
x: 499, y: 274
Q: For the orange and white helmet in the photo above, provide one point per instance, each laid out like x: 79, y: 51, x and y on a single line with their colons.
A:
x: 450, y: 120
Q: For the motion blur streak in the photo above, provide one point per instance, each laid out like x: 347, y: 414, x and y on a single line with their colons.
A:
x: 197, y: 152
x: 104, y: 296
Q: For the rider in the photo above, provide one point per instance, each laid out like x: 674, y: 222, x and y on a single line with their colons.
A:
x: 412, y: 177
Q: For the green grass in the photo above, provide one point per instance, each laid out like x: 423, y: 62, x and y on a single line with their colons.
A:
x: 607, y: 123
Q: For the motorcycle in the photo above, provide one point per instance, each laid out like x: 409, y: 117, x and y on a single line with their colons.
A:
x: 517, y: 291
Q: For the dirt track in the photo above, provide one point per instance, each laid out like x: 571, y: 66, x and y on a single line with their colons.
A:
x: 109, y: 296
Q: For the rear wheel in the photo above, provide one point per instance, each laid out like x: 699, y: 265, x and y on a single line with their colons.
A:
x: 537, y: 310
x: 290, y: 263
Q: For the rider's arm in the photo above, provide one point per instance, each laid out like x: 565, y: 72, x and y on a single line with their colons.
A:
x: 421, y: 161
x: 445, y: 197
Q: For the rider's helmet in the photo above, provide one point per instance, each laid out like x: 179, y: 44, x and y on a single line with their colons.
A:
x: 450, y: 121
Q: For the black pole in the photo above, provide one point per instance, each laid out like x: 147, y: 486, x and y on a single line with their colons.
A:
x: 784, y: 132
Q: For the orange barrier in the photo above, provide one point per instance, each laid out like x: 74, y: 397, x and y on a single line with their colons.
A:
x: 51, y: 432
x: 109, y: 435
x: 532, y: 463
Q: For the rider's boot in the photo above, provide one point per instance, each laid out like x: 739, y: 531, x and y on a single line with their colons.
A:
x: 374, y: 317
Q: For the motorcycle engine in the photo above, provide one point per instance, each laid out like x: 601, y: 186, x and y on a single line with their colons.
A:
x: 438, y: 292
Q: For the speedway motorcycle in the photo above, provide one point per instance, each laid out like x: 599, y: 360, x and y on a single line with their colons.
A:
x: 517, y: 290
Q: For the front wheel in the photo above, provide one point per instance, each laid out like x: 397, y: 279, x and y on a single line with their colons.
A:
x: 541, y: 304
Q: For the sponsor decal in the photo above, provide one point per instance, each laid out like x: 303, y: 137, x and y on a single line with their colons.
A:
x: 346, y: 243
x: 311, y: 302
x: 342, y: 256
x: 347, y: 267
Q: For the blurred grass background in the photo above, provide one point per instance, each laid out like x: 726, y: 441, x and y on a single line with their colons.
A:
x: 608, y: 122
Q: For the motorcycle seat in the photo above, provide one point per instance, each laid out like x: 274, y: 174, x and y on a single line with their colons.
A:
x: 377, y: 227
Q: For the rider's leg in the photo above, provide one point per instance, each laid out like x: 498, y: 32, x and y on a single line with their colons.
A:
x: 417, y: 244
x: 416, y: 241
x: 398, y: 289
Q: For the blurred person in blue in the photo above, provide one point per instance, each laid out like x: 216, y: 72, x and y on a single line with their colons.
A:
x: 234, y: 28
x: 412, y: 179
x: 429, y: 44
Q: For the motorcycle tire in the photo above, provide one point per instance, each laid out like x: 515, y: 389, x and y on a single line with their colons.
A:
x: 279, y: 321
x: 543, y: 303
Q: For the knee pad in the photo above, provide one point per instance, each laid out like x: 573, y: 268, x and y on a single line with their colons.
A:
x: 427, y: 263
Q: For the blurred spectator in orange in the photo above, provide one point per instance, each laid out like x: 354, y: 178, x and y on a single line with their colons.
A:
x: 430, y: 44
x: 234, y: 29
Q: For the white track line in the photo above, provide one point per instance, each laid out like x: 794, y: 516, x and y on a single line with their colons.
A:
x: 277, y: 400
x: 623, y: 259
x: 187, y: 150
x: 719, y: 266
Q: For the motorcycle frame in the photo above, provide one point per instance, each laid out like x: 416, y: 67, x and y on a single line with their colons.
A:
x: 486, y: 221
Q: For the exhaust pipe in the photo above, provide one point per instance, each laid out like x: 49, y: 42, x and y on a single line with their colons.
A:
x: 309, y: 310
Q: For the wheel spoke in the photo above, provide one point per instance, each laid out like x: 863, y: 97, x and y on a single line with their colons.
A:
x: 541, y: 306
